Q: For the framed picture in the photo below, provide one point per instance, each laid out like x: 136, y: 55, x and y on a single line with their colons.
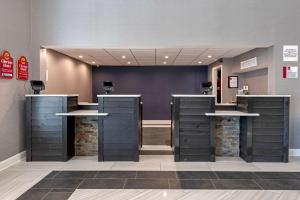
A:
x: 233, y: 81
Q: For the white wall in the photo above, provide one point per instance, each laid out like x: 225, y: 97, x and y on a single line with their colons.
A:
x: 14, y: 37
x: 66, y: 75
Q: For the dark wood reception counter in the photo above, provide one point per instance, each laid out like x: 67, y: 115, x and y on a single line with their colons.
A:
x: 121, y: 130
x: 49, y: 137
x: 262, y: 129
x: 193, y: 136
x: 268, y: 140
x: 50, y: 119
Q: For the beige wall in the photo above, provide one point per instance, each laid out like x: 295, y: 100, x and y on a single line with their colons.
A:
x: 14, y: 37
x: 66, y: 75
x: 257, y: 78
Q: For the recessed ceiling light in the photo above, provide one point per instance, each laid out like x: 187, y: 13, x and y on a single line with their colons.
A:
x: 164, y: 62
x: 128, y: 62
x: 123, y: 57
x: 93, y: 62
x: 166, y: 57
x: 199, y: 62
x: 80, y: 56
x: 209, y: 56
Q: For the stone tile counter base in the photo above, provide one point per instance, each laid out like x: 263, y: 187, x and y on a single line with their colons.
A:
x: 227, y: 136
x: 86, y: 136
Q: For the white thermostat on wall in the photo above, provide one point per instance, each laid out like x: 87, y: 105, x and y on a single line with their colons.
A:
x: 290, y: 53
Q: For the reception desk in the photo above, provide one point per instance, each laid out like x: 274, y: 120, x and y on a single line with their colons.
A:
x: 193, y: 137
x: 268, y: 140
x: 121, y: 130
x: 49, y: 137
x: 262, y: 129
x: 50, y: 121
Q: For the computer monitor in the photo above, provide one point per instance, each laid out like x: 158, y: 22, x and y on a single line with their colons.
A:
x: 108, y: 87
x: 37, y: 86
x: 206, y: 87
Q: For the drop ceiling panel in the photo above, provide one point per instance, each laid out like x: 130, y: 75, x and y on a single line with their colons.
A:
x: 144, y: 56
x: 171, y: 53
x: 118, y: 54
x: 140, y: 57
x: 236, y: 51
x: 188, y: 56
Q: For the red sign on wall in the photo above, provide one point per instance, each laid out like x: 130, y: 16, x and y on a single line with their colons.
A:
x: 6, y: 65
x: 22, y: 69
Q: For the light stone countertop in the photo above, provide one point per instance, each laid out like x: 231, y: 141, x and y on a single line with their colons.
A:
x: 192, y: 95
x: 119, y: 95
x: 51, y: 95
x: 232, y: 113
x: 226, y: 104
x: 83, y: 113
x: 263, y: 95
x: 87, y: 104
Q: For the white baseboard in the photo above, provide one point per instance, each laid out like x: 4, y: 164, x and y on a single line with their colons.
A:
x: 294, y: 152
x: 12, y: 160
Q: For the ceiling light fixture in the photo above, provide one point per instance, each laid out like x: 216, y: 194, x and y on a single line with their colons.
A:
x: 123, y: 57
x: 200, y: 62
x: 164, y: 62
x: 209, y: 56
x: 80, y: 56
x: 93, y: 62
x: 128, y: 63
x: 166, y: 57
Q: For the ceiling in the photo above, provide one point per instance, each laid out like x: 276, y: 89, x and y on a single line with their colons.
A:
x: 150, y: 57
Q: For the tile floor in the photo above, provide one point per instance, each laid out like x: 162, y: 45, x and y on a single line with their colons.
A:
x: 19, y: 178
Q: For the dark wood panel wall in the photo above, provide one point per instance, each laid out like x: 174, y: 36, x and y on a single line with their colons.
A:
x: 120, y: 132
x: 265, y: 138
x: 193, y: 133
x: 49, y: 137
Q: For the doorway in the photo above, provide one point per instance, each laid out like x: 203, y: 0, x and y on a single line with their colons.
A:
x: 217, y: 74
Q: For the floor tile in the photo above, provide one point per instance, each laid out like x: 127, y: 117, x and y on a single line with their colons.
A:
x: 235, y: 184
x: 276, y: 175
x: 156, y: 175
x: 116, y: 174
x: 191, y: 184
x: 128, y: 194
x: 136, y: 166
x: 255, y: 195
x: 234, y: 166
x: 58, y: 196
x: 185, y: 166
x: 102, y: 184
x: 146, y: 184
x: 236, y: 175
x: 52, y: 174
x: 58, y: 183
x: 289, y: 195
x: 279, y: 184
x: 34, y: 194
x: 75, y: 174
x: 63, y: 190
x: 283, y: 167
x: 195, y: 175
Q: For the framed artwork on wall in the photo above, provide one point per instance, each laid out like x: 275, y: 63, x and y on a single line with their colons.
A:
x: 233, y: 81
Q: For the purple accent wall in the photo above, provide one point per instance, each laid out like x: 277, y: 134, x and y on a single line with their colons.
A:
x: 156, y: 84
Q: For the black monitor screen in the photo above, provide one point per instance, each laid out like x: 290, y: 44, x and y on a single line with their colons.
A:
x: 206, y: 84
x: 37, y: 83
x: 107, y: 84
